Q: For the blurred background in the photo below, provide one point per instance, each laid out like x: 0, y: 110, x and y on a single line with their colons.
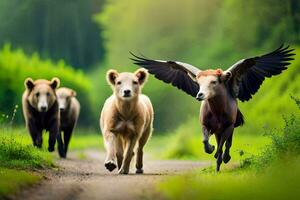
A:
x: 79, y: 40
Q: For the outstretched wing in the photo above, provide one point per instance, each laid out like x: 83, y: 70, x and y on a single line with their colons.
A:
x: 180, y: 75
x: 249, y: 74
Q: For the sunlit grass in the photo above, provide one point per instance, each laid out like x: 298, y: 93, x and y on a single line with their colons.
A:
x: 17, y: 154
x: 84, y: 139
x: 273, y: 173
x: 17, y: 151
x: 186, y: 143
x: 11, y: 180
x: 279, y: 181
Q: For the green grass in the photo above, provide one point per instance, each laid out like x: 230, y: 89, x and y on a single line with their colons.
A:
x: 186, y: 143
x: 85, y: 138
x: 280, y: 181
x: 273, y: 173
x: 16, y: 151
x: 18, y: 158
x: 11, y: 180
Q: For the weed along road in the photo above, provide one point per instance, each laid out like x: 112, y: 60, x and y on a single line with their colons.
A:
x: 83, y: 176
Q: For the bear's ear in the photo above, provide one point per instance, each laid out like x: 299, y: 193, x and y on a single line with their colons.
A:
x: 142, y: 75
x: 73, y: 93
x: 111, y: 76
x: 54, y: 83
x: 29, y: 83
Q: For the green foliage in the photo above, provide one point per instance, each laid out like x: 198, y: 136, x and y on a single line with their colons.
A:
x: 12, y: 180
x: 54, y: 28
x: 17, y: 151
x: 280, y: 181
x: 285, y: 144
x: 15, y: 67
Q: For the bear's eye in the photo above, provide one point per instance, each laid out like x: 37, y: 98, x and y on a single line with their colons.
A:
x: 119, y: 83
x: 135, y: 82
x: 37, y: 94
x: 48, y: 94
x: 213, y: 82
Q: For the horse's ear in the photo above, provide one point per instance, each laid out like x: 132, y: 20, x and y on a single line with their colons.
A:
x: 225, y: 76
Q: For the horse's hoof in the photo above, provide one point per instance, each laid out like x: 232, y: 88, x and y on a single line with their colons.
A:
x: 216, y: 155
x: 110, y: 166
x: 226, y: 158
x: 209, y: 148
x: 139, y: 171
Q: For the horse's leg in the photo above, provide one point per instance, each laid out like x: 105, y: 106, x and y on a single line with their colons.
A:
x: 224, y: 136
x: 208, y: 148
x: 218, y: 137
x: 226, y: 155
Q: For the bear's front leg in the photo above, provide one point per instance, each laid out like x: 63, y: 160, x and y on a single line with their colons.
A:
x: 60, y: 145
x: 53, y: 132
x: 36, y: 135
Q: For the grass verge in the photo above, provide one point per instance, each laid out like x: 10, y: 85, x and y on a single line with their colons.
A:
x: 12, y: 180
x: 18, y: 158
x: 272, y: 174
x: 16, y: 151
x: 280, y: 181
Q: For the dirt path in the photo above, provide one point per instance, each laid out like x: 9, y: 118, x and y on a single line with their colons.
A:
x: 88, y: 179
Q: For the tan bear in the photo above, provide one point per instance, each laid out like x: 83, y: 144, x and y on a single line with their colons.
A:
x: 40, y: 109
x: 69, y: 112
x: 126, y: 120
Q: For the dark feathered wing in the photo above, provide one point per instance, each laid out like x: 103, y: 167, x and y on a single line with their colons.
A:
x: 249, y: 74
x: 179, y: 74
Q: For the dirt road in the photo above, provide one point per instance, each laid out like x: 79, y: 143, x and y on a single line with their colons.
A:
x: 83, y: 176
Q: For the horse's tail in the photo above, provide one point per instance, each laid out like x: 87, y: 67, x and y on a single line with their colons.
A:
x: 239, y: 119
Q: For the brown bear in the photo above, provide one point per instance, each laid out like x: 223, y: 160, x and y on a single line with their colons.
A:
x: 40, y: 109
x: 69, y: 112
x: 126, y: 120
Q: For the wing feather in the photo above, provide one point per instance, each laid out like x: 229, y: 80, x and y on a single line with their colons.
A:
x: 249, y: 74
x: 178, y: 74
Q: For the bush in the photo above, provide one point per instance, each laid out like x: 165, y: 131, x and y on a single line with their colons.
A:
x: 285, y: 143
x: 15, y: 67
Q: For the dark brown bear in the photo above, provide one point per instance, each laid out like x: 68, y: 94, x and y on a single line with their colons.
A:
x: 69, y: 112
x: 40, y: 109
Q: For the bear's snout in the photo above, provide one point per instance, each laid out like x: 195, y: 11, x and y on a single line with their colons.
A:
x: 43, y: 108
